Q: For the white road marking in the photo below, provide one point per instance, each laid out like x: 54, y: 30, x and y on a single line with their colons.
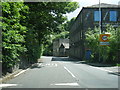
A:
x: 56, y: 65
x: 66, y: 62
x: 66, y: 84
x: 49, y: 64
x: 20, y: 72
x: 39, y: 64
x: 7, y: 85
x: 59, y: 62
x: 69, y: 72
x: 101, y: 69
x: 52, y: 64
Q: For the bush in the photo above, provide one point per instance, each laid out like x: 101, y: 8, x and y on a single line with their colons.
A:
x: 105, y: 54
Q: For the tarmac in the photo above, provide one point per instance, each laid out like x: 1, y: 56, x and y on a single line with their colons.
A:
x: 114, y: 69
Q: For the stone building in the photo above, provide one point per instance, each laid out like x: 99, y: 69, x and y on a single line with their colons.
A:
x: 60, y: 47
x: 64, y: 49
x: 89, y: 17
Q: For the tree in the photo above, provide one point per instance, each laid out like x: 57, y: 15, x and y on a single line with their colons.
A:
x: 13, y: 33
x: 27, y: 27
x: 48, y: 21
x: 68, y: 24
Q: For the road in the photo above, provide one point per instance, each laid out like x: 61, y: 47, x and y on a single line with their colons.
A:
x: 56, y: 72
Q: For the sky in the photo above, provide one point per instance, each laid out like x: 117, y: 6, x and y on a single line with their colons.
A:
x: 84, y: 3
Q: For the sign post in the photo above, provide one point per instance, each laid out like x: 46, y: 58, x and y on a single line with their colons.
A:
x: 104, y: 41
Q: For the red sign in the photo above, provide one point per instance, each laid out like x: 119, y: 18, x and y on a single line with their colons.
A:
x: 104, y: 41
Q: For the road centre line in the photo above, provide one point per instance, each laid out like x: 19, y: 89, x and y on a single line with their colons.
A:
x: 69, y: 72
x: 101, y: 69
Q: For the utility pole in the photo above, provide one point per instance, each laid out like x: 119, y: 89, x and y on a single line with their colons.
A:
x: 100, y: 14
x: 99, y: 26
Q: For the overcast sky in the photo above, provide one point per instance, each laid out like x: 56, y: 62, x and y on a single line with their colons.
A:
x: 84, y: 3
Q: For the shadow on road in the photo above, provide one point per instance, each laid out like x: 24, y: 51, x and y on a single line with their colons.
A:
x: 114, y: 73
x: 100, y: 64
x: 66, y: 59
x: 36, y: 65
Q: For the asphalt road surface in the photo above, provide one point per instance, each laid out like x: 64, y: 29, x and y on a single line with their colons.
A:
x: 56, y: 72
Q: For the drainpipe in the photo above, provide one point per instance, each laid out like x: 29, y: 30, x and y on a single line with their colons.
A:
x: 100, y: 14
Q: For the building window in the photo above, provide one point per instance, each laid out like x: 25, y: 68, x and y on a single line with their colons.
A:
x: 113, y: 16
x: 106, y: 16
x: 97, y: 15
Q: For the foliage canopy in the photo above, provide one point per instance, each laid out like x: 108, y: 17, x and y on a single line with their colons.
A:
x: 27, y: 27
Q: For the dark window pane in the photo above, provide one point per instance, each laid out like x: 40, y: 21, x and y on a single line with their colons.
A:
x: 97, y: 15
x: 113, y: 16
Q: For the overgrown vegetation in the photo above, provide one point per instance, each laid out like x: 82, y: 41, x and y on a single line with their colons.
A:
x: 13, y: 33
x: 104, y: 54
x: 27, y: 28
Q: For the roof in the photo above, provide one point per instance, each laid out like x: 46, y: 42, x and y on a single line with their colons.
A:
x: 66, y: 45
x: 104, y: 5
